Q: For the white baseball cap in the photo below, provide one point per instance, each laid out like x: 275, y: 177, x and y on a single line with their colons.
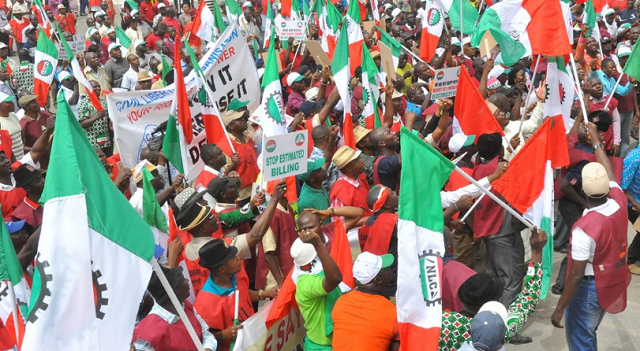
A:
x: 395, y: 12
x: 247, y: 4
x: 63, y: 75
x: 6, y: 97
x: 302, y: 253
x: 624, y: 51
x: 294, y: 77
x: 368, y: 265
x: 138, y: 43
x: 595, y: 181
x: 3, y: 45
x: 161, y: 5
x: 459, y: 140
x: 114, y: 46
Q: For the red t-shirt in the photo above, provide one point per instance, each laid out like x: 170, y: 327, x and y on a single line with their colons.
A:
x: 147, y: 11
x: 67, y: 23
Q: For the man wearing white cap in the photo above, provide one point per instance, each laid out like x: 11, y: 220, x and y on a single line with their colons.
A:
x: 365, y: 319
x: 9, y: 122
x: 69, y: 86
x: 162, y: 11
x: 317, y: 277
x: 598, y: 276
x: 248, y: 24
x: 117, y: 66
x: 609, y: 20
x: 66, y: 21
x: 627, y: 105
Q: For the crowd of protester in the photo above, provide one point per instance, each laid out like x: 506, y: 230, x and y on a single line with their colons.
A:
x: 248, y: 245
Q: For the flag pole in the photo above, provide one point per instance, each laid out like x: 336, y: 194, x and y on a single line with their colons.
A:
x: 577, y: 84
x: 526, y: 100
x: 461, y: 23
x: 482, y: 3
x: 494, y: 198
x: 177, y: 304
x: 235, y: 312
x: 416, y: 57
x: 613, y: 91
x: 599, y: 43
x: 14, y: 311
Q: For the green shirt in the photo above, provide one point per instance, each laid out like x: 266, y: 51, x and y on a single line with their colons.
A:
x: 310, y: 296
x: 313, y: 198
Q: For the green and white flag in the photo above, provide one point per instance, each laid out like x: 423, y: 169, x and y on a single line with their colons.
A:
x: 393, y: 44
x: 271, y: 111
x: 123, y: 39
x: 420, y: 242
x: 44, y: 69
x: 469, y: 16
x: 370, y: 88
x: 151, y: 210
x: 591, y: 21
x: 559, y: 89
x: 632, y: 67
x: 233, y: 10
x: 93, y: 262
x: 133, y: 5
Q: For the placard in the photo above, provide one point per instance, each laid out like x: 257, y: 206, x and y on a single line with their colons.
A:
x: 445, y: 83
x: 291, y: 28
x: 387, y: 62
x: 285, y: 155
x: 317, y: 53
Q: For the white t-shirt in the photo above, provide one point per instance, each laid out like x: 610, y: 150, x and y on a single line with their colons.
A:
x: 12, y: 125
x: 583, y: 247
x: 130, y: 79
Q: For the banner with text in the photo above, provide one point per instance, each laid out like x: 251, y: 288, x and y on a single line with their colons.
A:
x: 285, y: 335
x: 446, y: 83
x: 285, y: 155
x: 230, y: 71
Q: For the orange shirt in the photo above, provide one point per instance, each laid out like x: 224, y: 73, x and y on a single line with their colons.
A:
x: 363, y: 321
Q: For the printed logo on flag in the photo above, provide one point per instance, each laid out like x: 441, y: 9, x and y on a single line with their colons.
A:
x: 299, y: 140
x: 271, y: 145
x: 275, y: 108
x: 45, y: 68
x: 40, y: 306
x: 430, y: 277
x: 99, y: 293
x: 560, y: 92
x: 434, y: 16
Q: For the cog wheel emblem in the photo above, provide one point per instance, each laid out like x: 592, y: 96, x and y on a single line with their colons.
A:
x: 98, y: 293
x: 274, y: 108
x: 40, y: 305
x: 430, y: 270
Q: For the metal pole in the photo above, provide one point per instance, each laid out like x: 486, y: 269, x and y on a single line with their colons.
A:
x: 613, y: 91
x: 177, y: 304
x: 526, y: 100
x: 577, y: 81
x: 461, y: 22
x: 494, y: 198
x: 472, y: 207
x: 14, y: 311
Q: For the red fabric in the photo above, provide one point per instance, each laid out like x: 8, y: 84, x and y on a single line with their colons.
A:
x: 147, y: 12
x: 29, y: 211
x: 176, y: 24
x: 152, y: 39
x: 576, y: 155
x: 285, y: 8
x: 471, y: 110
x: 241, y: 229
x: 218, y: 311
x: 168, y: 337
x: 194, y: 40
x: 216, y: 133
x: 184, y: 110
x: 598, y: 5
x: 198, y: 274
x: 6, y: 143
x: 613, y: 105
x: 529, y: 165
x: 610, y: 260
x: 351, y: 196
x: 490, y: 212
x: 9, y: 200
x: 204, y: 178
x: 283, y: 226
x: 456, y: 181
x: 18, y: 27
x: 341, y: 253
x: 454, y: 274
x: 248, y: 167
x: 376, y: 237
x: 67, y: 23
x: 547, y: 31
x: 292, y: 186
x: 285, y: 300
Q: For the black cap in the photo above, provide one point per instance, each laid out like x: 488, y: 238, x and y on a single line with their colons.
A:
x: 308, y: 107
x: 215, y: 253
x: 174, y: 276
x: 489, y: 145
x: 216, y: 185
x: 480, y: 289
x: 25, y: 174
x: 601, y: 119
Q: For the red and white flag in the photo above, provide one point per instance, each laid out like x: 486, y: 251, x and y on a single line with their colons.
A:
x: 432, y: 26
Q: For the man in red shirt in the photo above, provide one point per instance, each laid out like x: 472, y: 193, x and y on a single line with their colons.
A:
x: 171, y: 20
x: 158, y: 34
x: 18, y: 26
x: 147, y: 11
x: 67, y: 21
x: 32, y: 181
x: 351, y: 189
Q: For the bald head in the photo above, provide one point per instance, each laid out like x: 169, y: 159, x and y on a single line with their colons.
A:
x: 319, y: 133
x: 373, y: 195
x: 501, y: 102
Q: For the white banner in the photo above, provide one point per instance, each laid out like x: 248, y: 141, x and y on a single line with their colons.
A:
x: 285, y: 155
x: 231, y: 73
x: 285, y: 335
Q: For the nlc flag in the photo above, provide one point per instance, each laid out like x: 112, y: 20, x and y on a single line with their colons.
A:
x: 93, y: 262
x: 545, y: 151
x: 420, y: 243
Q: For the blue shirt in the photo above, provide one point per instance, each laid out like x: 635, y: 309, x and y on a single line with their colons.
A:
x: 609, y: 82
x: 631, y: 174
x: 212, y: 288
x: 628, y: 16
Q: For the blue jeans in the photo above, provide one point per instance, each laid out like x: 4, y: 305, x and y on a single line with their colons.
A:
x: 582, y: 318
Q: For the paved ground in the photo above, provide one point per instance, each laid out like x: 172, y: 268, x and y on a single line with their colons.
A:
x: 616, y: 333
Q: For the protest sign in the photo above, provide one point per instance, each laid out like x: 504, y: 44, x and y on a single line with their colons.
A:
x: 291, y: 28
x: 387, y: 61
x: 285, y: 155
x: 317, y: 52
x: 78, y: 44
x: 230, y: 71
x: 287, y: 334
x: 446, y: 83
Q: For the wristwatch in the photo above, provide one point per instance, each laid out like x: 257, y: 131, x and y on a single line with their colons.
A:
x: 599, y: 146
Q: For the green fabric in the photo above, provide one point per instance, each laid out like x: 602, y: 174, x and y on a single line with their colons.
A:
x: 10, y: 269
x: 632, y: 68
x: 310, y: 296
x: 512, y: 50
x: 122, y: 37
x: 391, y: 42
x: 233, y: 7
x: 313, y: 198
x: 133, y: 5
x: 334, y: 17
x: 590, y: 17
x: 218, y: 21
x: 166, y: 68
x: 469, y: 13
x: 329, y: 303
x: 547, y: 259
x: 235, y: 218
x: 151, y: 210
x: 171, y: 144
x: 311, y: 346
x: 72, y: 171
